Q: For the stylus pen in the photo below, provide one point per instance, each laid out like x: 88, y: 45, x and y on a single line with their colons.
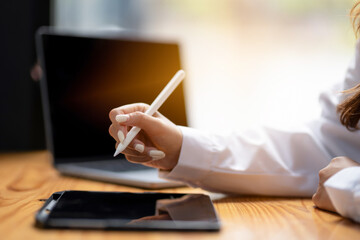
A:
x: 156, y: 104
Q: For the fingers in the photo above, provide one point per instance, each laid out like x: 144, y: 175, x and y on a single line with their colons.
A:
x: 131, y: 115
x: 118, y: 132
x: 139, y: 153
x: 134, y: 115
x: 157, y: 134
x: 113, y: 132
x: 126, y: 109
x: 151, y: 125
x: 136, y: 148
x: 322, y: 200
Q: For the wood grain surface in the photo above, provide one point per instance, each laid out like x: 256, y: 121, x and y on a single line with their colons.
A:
x: 27, y: 178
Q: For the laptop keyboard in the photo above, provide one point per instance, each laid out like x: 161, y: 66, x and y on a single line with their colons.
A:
x: 113, y: 165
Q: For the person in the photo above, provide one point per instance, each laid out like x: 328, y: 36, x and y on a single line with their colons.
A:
x: 263, y: 161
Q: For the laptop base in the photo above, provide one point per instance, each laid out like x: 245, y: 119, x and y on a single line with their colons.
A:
x: 148, y: 178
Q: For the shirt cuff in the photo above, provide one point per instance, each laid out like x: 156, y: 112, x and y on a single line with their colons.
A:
x: 343, y: 189
x: 195, y: 159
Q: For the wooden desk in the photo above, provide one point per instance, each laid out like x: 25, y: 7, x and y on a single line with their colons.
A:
x: 27, y: 177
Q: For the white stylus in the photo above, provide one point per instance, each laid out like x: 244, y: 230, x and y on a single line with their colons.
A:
x: 156, y: 104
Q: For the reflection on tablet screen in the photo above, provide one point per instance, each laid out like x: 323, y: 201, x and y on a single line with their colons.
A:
x: 114, y: 210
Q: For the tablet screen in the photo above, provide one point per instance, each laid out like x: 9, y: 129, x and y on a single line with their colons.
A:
x: 121, y: 210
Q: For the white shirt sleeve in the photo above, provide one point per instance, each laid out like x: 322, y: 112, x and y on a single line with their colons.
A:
x: 268, y: 161
x: 343, y: 189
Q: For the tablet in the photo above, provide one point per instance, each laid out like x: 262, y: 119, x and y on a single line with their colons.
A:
x: 128, y: 211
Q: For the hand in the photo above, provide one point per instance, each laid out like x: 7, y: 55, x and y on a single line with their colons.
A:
x: 158, y: 143
x: 321, y: 198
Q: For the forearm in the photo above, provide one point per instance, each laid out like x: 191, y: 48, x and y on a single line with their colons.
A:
x: 266, y: 162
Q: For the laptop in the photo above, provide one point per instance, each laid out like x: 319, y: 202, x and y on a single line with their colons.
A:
x: 87, y: 75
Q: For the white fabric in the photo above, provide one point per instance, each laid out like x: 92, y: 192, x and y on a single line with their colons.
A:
x: 277, y: 162
x: 343, y: 189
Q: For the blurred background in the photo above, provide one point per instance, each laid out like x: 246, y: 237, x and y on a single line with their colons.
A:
x: 248, y: 62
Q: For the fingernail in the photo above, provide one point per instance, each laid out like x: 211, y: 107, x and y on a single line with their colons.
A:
x: 157, y: 158
x: 139, y: 147
x: 121, y: 118
x: 121, y: 136
x: 156, y: 154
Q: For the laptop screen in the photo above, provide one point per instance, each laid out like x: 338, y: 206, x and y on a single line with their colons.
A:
x: 86, y: 77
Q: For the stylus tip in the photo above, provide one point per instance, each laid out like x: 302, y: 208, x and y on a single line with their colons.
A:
x: 119, y: 149
x: 116, y: 153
